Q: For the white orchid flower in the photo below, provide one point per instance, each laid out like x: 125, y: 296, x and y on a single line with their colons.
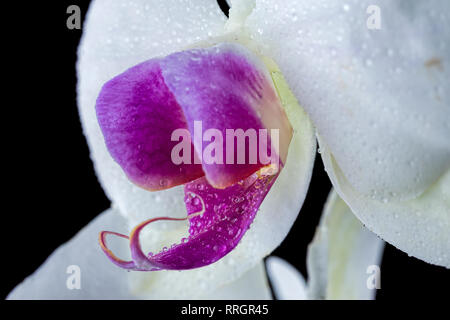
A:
x: 377, y: 99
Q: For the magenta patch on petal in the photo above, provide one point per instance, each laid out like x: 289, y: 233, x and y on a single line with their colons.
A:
x: 218, y: 220
x: 226, y: 216
x: 222, y: 87
x: 138, y: 114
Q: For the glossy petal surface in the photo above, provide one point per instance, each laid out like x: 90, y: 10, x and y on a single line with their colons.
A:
x: 379, y: 99
x: 419, y: 226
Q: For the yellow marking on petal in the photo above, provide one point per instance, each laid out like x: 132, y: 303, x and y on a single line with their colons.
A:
x: 287, y: 98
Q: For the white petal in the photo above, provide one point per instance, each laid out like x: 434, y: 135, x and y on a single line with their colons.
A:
x: 117, y: 35
x: 287, y: 282
x: 100, y: 279
x: 252, y: 285
x: 198, y: 284
x: 379, y: 98
x: 420, y: 226
x: 340, y: 254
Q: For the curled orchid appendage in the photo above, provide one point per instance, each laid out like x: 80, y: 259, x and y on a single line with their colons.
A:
x: 153, y: 116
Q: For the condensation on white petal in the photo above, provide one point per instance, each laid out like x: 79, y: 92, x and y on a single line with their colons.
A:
x: 379, y: 98
x: 287, y: 282
x: 99, y: 278
x: 117, y: 35
x: 341, y: 254
x: 420, y: 226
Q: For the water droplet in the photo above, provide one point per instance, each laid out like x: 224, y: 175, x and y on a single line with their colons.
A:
x: 163, y: 182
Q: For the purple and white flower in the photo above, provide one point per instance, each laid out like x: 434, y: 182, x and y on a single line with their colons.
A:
x: 377, y: 101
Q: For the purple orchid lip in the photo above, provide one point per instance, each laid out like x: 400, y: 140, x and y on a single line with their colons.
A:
x: 225, y: 87
x: 218, y: 220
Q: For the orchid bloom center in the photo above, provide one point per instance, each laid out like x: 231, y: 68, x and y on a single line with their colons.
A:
x: 210, y: 119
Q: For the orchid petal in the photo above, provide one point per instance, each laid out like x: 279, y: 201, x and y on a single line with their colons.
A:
x: 225, y: 216
x: 287, y: 282
x: 50, y: 280
x: 419, y: 226
x: 340, y: 255
x: 379, y: 99
x: 252, y: 285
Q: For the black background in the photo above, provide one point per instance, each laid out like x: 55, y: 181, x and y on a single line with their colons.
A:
x: 51, y: 191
